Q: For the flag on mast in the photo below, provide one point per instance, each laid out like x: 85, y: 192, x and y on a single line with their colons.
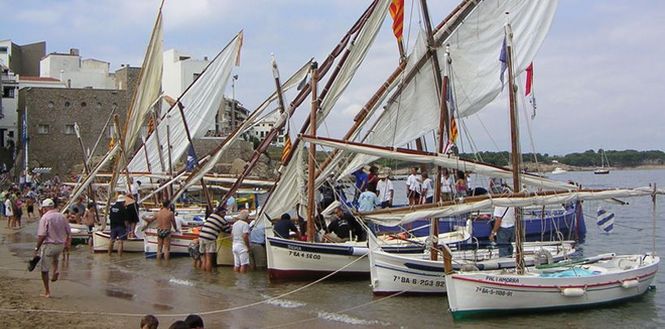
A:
x: 503, y: 59
x: 191, y: 158
x: 529, y: 93
x: 397, y: 13
x: 605, y: 220
x: 452, y: 107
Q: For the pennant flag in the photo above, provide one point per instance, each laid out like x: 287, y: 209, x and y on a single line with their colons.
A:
x: 397, y: 13
x: 303, y: 83
x: 111, y: 142
x: 287, y: 148
x: 191, y: 158
x: 605, y: 220
x: 452, y: 108
x: 503, y: 60
x: 151, y: 125
x: 242, y: 39
x: 24, y: 133
x: 529, y: 93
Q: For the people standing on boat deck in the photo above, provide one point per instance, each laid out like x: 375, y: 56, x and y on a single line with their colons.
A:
x: 118, y: 227
x: 340, y: 228
x: 413, y: 186
x: 461, y: 185
x: 284, y: 226
x: 212, y: 227
x: 131, y: 214
x: 257, y: 244
x: 368, y: 201
x: 194, y: 321
x: 53, y: 236
x: 149, y: 322
x: 165, y: 225
x: 426, y: 189
x: 446, y: 185
x: 361, y: 182
x: 372, y: 177
x: 135, y: 189
x: 385, y: 190
x: 503, y: 231
x: 240, y: 233
x: 231, y: 204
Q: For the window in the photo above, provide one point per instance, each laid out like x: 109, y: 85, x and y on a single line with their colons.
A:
x: 69, y: 130
x: 99, y: 106
x: 8, y: 92
x: 3, y: 50
x: 50, y: 105
x: 67, y: 103
x: 111, y: 132
x: 43, y: 129
x: 84, y: 104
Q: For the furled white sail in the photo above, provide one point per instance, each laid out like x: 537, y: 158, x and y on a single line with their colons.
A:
x: 475, y: 46
x: 404, y: 216
x: 245, y: 127
x: 450, y: 162
x: 357, y: 51
x: 148, y: 88
x: 290, y: 189
x: 201, y: 102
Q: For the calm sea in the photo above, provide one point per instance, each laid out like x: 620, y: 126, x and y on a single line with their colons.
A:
x: 177, y: 288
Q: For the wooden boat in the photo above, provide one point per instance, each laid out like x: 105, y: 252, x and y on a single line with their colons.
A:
x: 604, y: 279
x: 101, y: 239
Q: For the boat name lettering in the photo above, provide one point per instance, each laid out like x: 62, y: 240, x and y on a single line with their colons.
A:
x: 306, y: 255
x: 502, y: 279
x: 291, y: 247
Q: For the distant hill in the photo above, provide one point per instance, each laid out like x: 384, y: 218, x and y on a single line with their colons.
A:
x: 590, y: 158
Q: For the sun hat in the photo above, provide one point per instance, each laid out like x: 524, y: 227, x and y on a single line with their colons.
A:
x: 121, y: 198
x: 48, y: 203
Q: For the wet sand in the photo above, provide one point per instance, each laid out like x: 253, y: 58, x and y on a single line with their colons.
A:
x: 95, y: 291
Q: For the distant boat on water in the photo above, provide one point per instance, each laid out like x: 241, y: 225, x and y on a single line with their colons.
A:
x: 603, y: 170
x: 558, y: 170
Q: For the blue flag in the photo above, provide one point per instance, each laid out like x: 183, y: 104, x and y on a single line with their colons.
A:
x: 504, y: 63
x: 605, y: 220
x: 191, y: 158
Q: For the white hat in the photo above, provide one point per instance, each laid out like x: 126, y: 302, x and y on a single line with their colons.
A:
x: 121, y: 198
x: 48, y: 203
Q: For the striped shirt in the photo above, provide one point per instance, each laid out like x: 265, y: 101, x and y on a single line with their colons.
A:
x: 213, y: 226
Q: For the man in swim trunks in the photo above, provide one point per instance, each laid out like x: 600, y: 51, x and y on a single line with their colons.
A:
x: 165, y: 224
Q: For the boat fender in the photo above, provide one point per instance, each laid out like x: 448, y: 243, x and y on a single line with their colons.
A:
x: 630, y: 283
x: 573, y: 292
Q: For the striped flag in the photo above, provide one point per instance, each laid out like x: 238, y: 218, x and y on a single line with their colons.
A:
x: 605, y: 220
x: 529, y: 93
x: 191, y: 158
x: 452, y: 107
x: 397, y: 13
x: 287, y: 148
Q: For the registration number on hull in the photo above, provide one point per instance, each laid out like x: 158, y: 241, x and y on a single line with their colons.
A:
x: 418, y: 282
x: 306, y: 255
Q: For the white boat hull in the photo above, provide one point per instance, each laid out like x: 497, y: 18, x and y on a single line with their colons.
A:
x: 179, y: 243
x: 618, y: 278
x: 417, y: 274
x: 101, y: 239
x: 291, y: 259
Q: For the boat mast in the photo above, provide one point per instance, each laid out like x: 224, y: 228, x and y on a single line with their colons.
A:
x: 312, y: 154
x: 516, y: 156
x: 86, y: 166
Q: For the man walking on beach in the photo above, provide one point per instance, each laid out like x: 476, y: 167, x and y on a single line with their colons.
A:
x: 52, y: 235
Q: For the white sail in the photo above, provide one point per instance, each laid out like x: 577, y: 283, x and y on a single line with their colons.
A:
x: 245, y: 127
x: 475, y: 46
x: 450, y: 162
x: 404, y: 216
x: 201, y: 102
x: 290, y: 189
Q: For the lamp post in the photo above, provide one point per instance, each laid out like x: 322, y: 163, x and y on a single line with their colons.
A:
x: 233, y: 105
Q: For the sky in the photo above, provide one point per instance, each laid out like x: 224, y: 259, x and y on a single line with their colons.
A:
x: 599, y: 75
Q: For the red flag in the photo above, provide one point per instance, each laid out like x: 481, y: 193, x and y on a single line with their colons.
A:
x: 453, y: 129
x: 397, y: 13
x: 529, y: 79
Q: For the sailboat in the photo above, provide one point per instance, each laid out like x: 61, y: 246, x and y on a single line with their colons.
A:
x: 602, y: 170
x: 591, y: 281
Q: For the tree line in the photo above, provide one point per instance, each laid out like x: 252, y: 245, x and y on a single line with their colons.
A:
x: 589, y: 158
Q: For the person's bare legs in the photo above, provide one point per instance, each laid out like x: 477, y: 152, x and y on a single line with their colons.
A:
x: 243, y: 268
x: 207, y: 262
x: 47, y: 292
x: 120, y: 247
x: 160, y: 243
x: 56, y: 272
x: 111, y: 242
x: 167, y: 248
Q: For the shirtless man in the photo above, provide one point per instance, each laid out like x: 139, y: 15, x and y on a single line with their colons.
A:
x: 165, y: 223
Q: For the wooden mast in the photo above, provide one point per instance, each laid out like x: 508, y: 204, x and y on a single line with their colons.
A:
x: 516, y: 156
x: 312, y: 156
x: 123, y: 154
x: 206, y: 193
x: 86, y: 166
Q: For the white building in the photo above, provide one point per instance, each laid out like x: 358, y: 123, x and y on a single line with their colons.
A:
x: 76, y: 72
x: 8, y: 105
x: 262, y: 129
